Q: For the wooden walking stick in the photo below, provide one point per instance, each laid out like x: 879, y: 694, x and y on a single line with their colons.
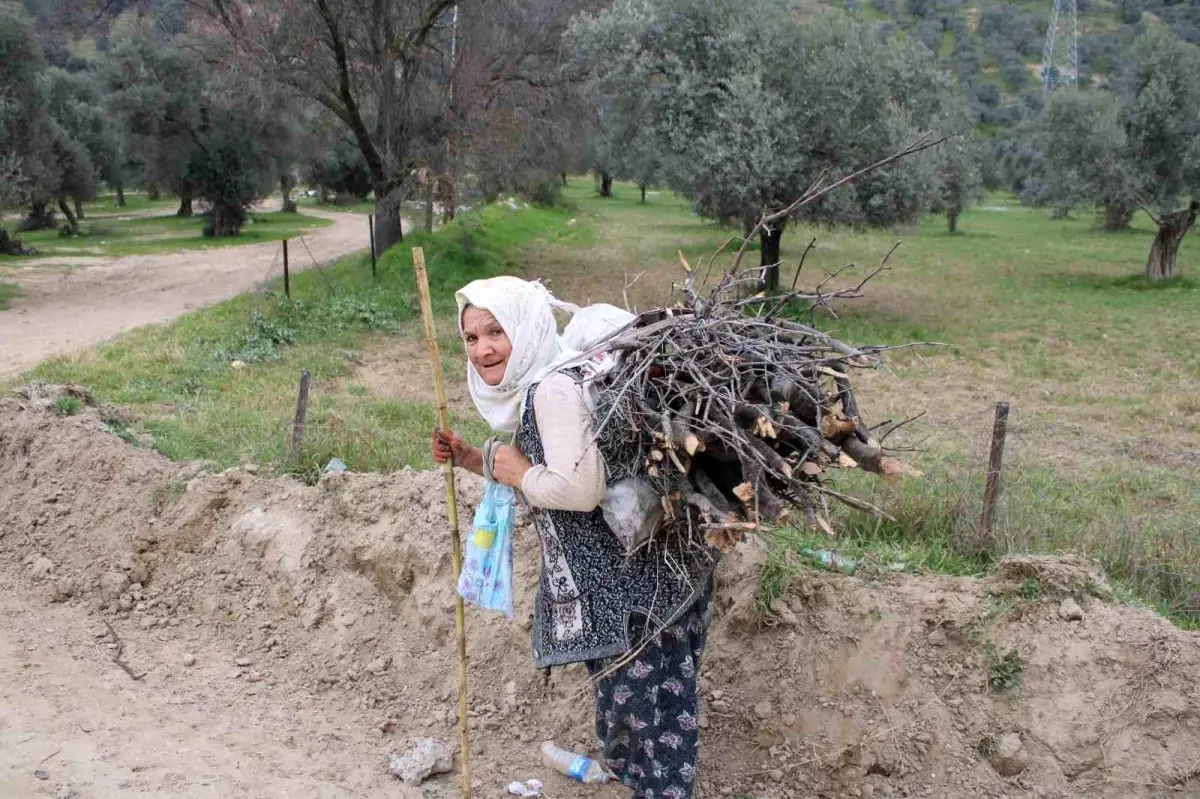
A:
x: 460, y: 619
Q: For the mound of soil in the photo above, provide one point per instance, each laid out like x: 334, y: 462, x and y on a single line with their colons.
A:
x: 286, y: 639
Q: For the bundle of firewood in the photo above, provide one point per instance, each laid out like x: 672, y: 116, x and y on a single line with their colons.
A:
x: 735, y: 412
x: 732, y: 410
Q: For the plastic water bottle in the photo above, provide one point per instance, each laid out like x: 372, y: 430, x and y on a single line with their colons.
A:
x: 577, y: 767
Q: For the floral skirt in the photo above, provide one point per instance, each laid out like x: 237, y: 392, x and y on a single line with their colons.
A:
x: 647, y: 708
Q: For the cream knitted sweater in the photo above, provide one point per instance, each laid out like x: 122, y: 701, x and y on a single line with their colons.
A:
x: 573, y: 477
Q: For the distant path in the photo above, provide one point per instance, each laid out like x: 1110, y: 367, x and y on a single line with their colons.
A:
x: 60, y: 311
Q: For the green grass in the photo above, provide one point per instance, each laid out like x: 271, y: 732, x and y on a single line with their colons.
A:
x: 364, y: 207
x: 65, y: 405
x: 112, y: 236
x: 1051, y: 316
x: 135, y: 203
x: 220, y: 384
x: 8, y: 293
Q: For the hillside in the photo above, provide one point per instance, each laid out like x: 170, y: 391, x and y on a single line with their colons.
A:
x: 996, y: 48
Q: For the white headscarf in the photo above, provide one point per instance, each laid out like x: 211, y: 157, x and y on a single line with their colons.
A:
x: 526, y: 312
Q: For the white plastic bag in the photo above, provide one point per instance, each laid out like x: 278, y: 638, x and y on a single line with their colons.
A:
x: 592, y: 324
x: 486, y: 578
x: 633, y: 510
x: 631, y: 507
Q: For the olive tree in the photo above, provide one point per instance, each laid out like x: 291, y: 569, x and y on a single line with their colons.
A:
x: 1161, y: 91
x: 1138, y: 147
x: 53, y: 164
x: 749, y: 107
x: 208, y: 134
x: 374, y: 66
x: 85, y: 130
x: 157, y: 95
x: 958, y: 175
x: 23, y: 112
x: 1087, y: 155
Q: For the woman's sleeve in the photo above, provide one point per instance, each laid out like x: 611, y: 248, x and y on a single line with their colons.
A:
x: 573, y: 476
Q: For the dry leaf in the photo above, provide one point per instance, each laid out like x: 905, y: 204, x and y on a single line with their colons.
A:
x: 764, y: 428
x: 656, y: 455
x: 834, y: 424
x: 686, y: 266
x: 723, y: 540
x: 727, y: 536
x: 810, y: 468
x: 785, y: 407
x: 652, y: 471
x: 744, y: 492
x: 824, y: 525
x: 844, y: 461
x: 693, y: 444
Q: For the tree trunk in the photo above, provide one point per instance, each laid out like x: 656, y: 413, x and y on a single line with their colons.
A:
x: 152, y: 192
x: 41, y: 217
x: 285, y: 188
x: 447, y: 199
x: 1117, y: 216
x: 642, y: 189
x: 564, y: 178
x: 226, y: 220
x: 185, y: 205
x: 1171, y: 230
x: 605, y: 184
x: 952, y: 218
x: 770, y: 257
x: 429, y: 207
x: 387, y: 221
x: 120, y: 196
x: 13, y: 246
x: 72, y: 223
x: 78, y: 208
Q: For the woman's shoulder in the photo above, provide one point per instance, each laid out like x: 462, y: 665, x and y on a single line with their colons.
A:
x: 560, y: 386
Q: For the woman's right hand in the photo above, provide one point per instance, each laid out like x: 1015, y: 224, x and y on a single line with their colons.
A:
x: 448, y: 445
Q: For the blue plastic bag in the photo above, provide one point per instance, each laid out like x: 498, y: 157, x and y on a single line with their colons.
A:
x: 486, y: 577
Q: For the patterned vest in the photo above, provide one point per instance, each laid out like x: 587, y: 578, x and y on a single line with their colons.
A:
x: 593, y: 601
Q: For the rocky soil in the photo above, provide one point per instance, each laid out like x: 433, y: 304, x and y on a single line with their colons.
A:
x: 165, y: 631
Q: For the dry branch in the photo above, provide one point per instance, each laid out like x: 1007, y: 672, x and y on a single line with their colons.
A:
x: 116, y: 639
x: 733, y: 410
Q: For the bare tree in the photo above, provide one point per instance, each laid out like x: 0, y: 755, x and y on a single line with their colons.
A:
x: 374, y: 64
x: 515, y: 114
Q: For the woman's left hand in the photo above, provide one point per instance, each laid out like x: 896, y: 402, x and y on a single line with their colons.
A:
x: 510, y: 466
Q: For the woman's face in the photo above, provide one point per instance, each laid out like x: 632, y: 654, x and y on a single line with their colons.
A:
x: 488, y: 346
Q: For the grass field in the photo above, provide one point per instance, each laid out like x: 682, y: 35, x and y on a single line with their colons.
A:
x: 117, y: 235
x: 1050, y: 316
x: 181, y: 378
x: 365, y: 207
x: 8, y: 292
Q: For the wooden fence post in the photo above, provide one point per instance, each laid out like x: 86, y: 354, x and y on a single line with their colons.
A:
x: 371, y: 230
x: 287, y: 280
x: 991, y: 491
x: 301, y: 412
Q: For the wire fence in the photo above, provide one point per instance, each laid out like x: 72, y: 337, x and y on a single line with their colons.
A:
x: 1136, y: 520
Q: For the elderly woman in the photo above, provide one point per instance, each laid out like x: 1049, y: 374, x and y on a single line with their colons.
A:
x: 638, y: 621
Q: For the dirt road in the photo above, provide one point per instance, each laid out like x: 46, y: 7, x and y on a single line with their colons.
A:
x: 60, y: 311
x: 88, y: 730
